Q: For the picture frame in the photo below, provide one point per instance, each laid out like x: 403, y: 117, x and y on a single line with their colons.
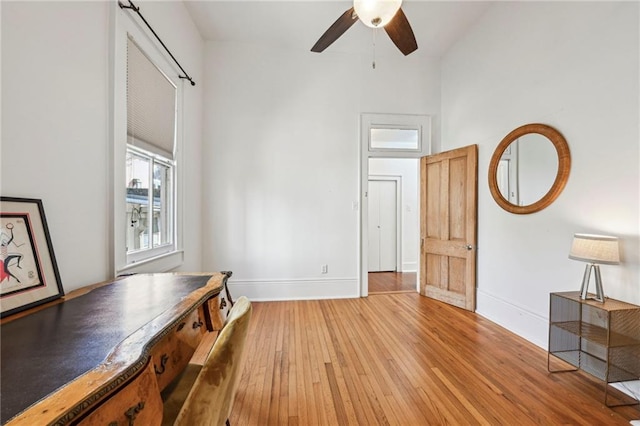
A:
x: 29, y: 273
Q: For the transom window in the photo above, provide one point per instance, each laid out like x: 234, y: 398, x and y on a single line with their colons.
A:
x: 395, y: 135
x: 394, y: 138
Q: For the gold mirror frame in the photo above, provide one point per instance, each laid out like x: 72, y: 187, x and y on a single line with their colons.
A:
x: 564, y: 165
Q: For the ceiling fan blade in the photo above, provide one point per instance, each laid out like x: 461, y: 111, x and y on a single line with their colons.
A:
x: 401, y: 34
x: 342, y: 24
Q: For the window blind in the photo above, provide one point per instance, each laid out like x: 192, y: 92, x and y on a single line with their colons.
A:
x: 151, y: 105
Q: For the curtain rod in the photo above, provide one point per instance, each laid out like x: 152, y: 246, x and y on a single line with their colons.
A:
x: 137, y: 10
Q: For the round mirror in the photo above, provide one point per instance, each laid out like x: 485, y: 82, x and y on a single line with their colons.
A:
x: 529, y: 168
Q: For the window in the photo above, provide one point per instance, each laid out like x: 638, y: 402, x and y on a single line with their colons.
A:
x: 149, y: 164
x: 394, y: 138
x: 149, y: 206
x: 147, y: 146
x: 397, y: 135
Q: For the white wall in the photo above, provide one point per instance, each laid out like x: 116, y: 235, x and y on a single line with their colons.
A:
x: 573, y: 66
x: 55, y: 123
x: 282, y: 144
x: 408, y: 170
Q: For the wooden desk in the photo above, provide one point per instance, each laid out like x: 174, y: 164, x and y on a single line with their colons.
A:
x: 105, y: 356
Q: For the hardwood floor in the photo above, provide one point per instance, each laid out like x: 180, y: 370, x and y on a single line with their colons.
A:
x: 407, y: 360
x: 387, y: 282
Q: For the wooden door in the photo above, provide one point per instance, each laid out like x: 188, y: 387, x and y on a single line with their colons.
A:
x: 448, y: 216
x: 382, y: 254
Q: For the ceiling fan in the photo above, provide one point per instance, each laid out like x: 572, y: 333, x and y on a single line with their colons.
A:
x: 374, y: 14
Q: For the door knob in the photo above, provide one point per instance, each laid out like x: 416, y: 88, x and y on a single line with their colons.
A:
x: 469, y: 247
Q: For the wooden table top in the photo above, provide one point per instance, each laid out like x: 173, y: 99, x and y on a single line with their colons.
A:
x: 43, y: 351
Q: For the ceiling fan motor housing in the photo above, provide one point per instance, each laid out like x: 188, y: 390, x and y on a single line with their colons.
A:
x: 376, y: 13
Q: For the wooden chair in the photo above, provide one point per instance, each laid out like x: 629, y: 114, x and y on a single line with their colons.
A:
x: 203, y: 395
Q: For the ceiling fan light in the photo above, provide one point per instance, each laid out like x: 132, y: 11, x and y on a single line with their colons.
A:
x: 376, y: 13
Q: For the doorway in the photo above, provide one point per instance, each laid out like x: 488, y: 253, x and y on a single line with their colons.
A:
x: 393, y: 224
x: 385, y: 139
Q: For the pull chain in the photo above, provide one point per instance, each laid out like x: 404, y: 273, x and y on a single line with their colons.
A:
x: 373, y: 63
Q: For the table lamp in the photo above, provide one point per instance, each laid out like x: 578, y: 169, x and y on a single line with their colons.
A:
x: 596, y: 250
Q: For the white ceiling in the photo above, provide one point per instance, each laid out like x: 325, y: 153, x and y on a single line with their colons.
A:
x: 299, y: 24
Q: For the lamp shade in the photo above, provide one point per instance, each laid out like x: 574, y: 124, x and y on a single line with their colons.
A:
x: 595, y: 249
x: 376, y: 13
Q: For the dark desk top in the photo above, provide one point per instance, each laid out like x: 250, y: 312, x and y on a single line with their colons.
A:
x: 43, y: 351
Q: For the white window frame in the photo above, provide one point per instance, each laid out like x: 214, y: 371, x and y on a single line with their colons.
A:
x: 419, y: 123
x: 136, y: 256
x: 124, y: 25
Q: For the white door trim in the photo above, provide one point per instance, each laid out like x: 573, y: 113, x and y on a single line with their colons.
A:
x: 368, y: 121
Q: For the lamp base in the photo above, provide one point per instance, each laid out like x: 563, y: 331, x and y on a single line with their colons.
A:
x: 584, y: 290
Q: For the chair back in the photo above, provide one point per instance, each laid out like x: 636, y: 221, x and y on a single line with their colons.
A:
x: 210, y: 399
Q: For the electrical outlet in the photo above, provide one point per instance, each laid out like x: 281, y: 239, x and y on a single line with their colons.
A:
x: 325, y: 269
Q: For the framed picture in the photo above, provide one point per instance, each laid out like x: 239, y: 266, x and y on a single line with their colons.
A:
x: 28, y: 271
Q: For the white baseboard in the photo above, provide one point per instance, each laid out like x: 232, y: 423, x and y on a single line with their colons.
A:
x: 409, y: 267
x: 526, y: 324
x: 631, y: 388
x: 261, y: 290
